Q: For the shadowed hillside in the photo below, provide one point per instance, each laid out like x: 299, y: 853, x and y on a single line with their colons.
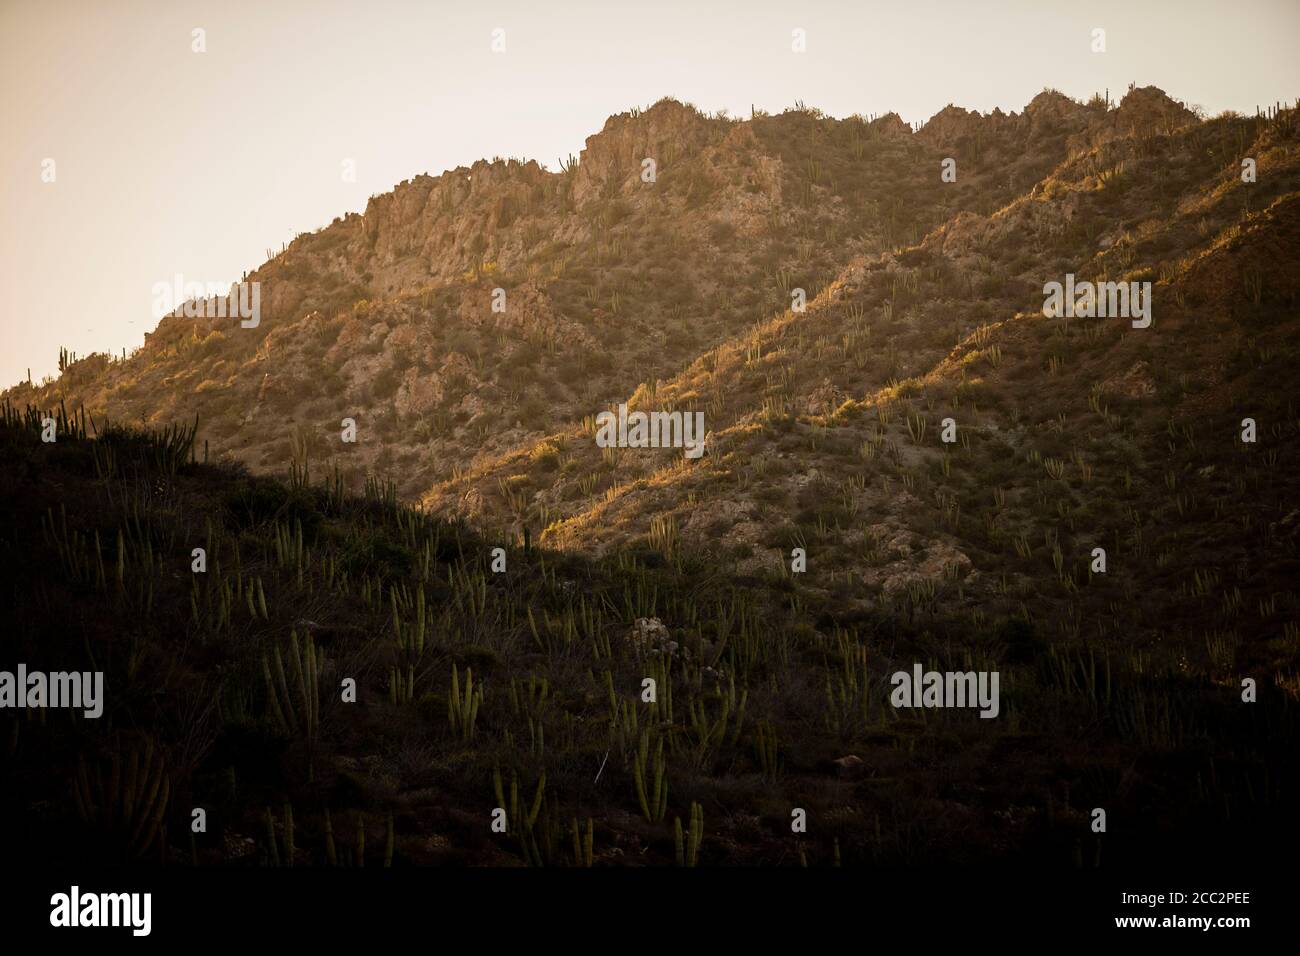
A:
x: 225, y: 690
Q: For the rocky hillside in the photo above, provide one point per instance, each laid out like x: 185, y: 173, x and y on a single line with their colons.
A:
x: 610, y: 282
x: 924, y: 303
x: 1067, y: 434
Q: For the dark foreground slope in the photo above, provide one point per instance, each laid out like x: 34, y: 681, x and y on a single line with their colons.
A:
x: 224, y: 691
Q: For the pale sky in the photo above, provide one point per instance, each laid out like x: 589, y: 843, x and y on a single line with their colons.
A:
x: 169, y: 161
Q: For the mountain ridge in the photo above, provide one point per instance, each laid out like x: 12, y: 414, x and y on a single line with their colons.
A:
x: 912, y: 284
x: 336, y: 266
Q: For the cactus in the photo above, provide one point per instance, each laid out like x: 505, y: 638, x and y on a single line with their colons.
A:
x: 295, y: 712
x: 130, y: 803
x: 296, y: 706
x: 582, y: 845
x: 521, y: 820
x: 528, y: 697
x: 664, y: 535
x: 661, y: 671
x: 462, y: 710
x: 711, y: 733
x: 290, y: 848
x: 654, y: 801
x: 401, y: 687
x: 410, y: 637
x: 688, y: 850
x: 536, y: 851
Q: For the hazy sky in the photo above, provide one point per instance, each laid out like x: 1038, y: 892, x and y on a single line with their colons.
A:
x: 169, y: 161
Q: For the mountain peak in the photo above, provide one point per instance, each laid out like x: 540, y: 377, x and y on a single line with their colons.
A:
x: 891, y: 125
x: 1151, y: 107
